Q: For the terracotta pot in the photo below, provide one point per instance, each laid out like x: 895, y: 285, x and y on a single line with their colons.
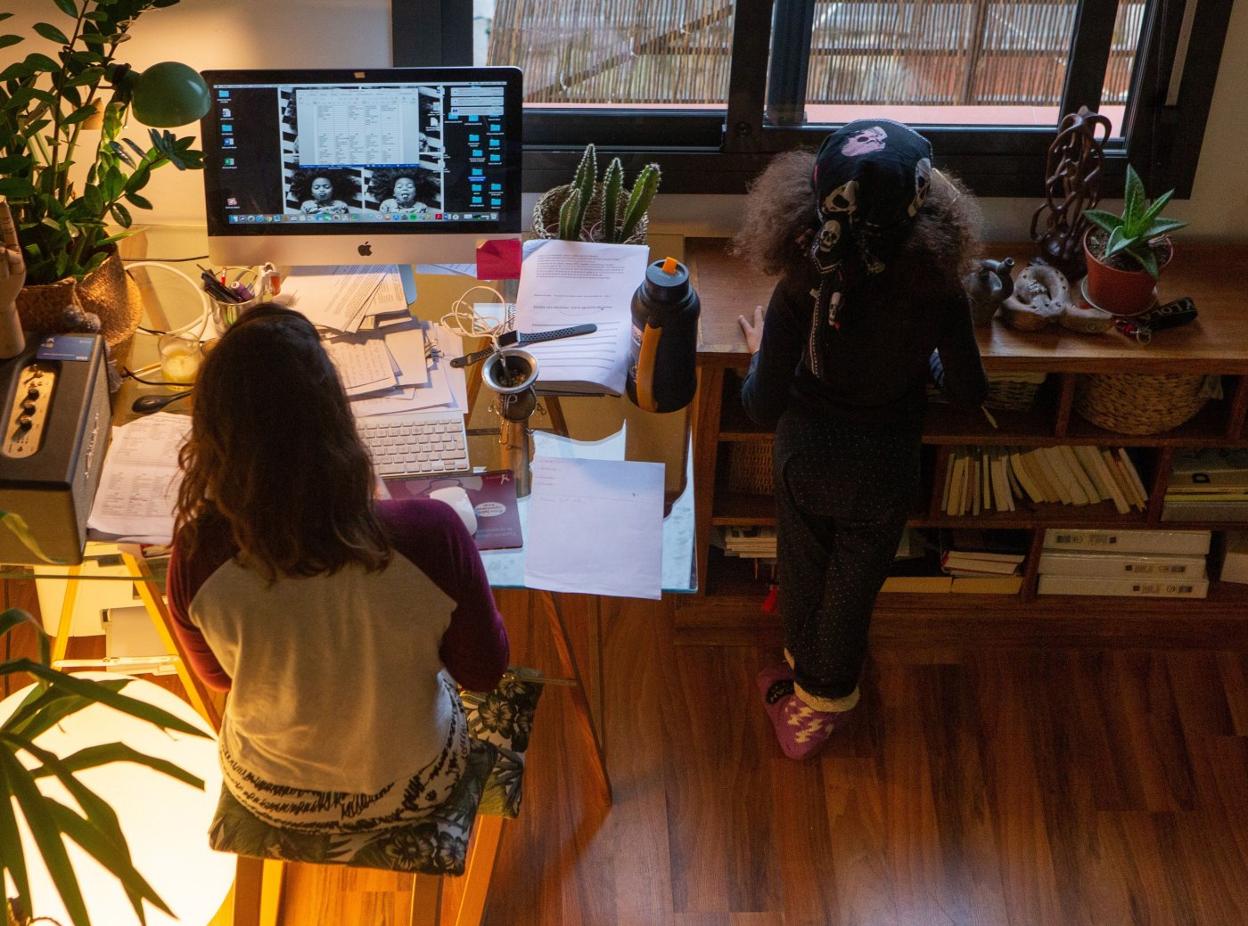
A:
x: 546, y: 216
x: 107, y: 291
x: 1122, y: 292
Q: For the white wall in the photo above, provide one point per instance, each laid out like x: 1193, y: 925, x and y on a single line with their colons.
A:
x: 356, y: 33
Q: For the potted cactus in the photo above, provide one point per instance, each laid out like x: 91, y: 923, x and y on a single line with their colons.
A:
x: 589, y: 210
x: 1127, y: 253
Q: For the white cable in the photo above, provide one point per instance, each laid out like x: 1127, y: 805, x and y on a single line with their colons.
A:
x: 205, y: 314
x: 464, y: 320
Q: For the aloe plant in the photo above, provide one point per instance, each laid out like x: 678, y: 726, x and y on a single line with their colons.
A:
x: 93, y: 825
x: 1140, y: 224
x: 644, y: 190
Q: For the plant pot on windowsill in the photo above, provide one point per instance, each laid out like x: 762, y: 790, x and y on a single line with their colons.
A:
x: 546, y: 217
x: 1120, y: 285
x: 56, y: 308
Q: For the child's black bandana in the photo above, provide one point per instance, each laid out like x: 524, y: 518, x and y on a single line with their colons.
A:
x: 871, y: 178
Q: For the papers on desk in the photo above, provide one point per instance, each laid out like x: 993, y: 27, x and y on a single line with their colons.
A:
x: 420, y: 383
x: 140, y: 479
x: 342, y: 298
x: 596, y: 527
x: 565, y: 283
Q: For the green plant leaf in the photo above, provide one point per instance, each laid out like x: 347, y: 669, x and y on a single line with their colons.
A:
x: 78, y: 115
x: 14, y: 617
x: 93, y: 756
x: 97, y: 692
x: 51, y: 33
x: 1118, y: 241
x: 1146, y: 259
x: 47, y: 835
x: 13, y: 858
x: 1106, y: 221
x: 140, y: 201
x: 7, y: 40
x: 1162, y: 227
x: 1133, y: 200
x: 37, y: 62
x: 1155, y: 207
x: 67, y: 7
x: 4, y: 16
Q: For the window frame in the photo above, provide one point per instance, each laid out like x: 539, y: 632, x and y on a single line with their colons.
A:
x: 718, y: 151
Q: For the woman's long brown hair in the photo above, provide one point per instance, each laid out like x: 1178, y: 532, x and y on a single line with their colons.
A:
x: 274, y: 454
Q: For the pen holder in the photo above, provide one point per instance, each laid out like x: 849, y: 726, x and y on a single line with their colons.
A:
x: 225, y: 314
x: 512, y: 374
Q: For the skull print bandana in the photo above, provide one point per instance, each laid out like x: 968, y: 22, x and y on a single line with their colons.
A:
x: 871, y: 178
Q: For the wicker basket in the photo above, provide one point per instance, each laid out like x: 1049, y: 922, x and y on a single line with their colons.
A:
x: 1013, y: 393
x: 546, y: 216
x: 107, y: 291
x: 749, y: 468
x: 1140, y: 403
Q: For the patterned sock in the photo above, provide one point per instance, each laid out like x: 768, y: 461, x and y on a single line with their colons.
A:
x: 800, y: 729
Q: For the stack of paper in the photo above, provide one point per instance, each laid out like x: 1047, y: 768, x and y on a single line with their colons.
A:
x: 139, y: 483
x: 422, y: 378
x: 345, y: 298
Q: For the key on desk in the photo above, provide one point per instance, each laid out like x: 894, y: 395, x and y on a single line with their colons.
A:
x: 416, y: 443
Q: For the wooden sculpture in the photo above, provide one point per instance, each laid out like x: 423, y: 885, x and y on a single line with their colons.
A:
x: 1073, y: 171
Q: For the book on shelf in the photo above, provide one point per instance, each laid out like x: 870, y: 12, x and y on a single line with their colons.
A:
x: 1209, y: 468
x: 1231, y: 510
x: 985, y: 585
x: 969, y: 553
x: 1235, y: 557
x: 1119, y: 565
x: 1123, y: 588
x: 1128, y: 541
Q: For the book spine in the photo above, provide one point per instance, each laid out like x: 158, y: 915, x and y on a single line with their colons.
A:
x: 1128, y: 541
x: 1123, y: 588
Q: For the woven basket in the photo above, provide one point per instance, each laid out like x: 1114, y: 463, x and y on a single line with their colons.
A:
x: 1140, y: 403
x: 546, y: 216
x: 749, y: 468
x: 1012, y: 394
x: 107, y: 291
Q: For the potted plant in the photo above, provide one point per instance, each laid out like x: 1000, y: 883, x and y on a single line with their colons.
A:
x: 587, y: 210
x: 1127, y: 253
x: 92, y: 824
x: 50, y: 110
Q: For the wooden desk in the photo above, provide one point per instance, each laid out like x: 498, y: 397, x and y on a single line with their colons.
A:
x: 1216, y: 277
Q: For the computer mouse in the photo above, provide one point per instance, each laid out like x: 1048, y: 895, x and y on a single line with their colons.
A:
x: 457, y: 498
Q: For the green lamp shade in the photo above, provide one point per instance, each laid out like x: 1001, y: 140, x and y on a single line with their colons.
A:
x: 169, y: 94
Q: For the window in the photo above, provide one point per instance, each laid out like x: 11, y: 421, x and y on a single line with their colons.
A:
x: 712, y: 88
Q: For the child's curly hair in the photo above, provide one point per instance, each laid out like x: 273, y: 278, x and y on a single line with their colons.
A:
x: 781, y: 217
x: 346, y: 183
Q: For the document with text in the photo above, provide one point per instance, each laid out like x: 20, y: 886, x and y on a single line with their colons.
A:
x: 139, y: 482
x: 564, y: 283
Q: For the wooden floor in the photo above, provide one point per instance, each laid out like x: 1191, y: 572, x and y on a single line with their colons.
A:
x: 981, y: 786
x: 994, y: 787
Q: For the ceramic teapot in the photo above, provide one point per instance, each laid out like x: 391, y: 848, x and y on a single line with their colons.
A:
x: 988, y: 287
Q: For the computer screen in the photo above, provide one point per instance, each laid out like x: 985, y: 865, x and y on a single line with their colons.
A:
x: 400, y: 165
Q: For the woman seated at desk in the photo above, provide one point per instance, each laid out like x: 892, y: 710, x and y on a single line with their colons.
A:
x: 335, y: 622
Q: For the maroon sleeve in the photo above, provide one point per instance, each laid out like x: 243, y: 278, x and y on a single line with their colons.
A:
x: 429, y: 533
x: 183, y: 581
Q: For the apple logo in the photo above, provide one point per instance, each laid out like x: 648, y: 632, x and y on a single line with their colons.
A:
x: 365, y: 249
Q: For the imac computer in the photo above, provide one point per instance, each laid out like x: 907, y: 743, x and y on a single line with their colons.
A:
x: 397, y: 166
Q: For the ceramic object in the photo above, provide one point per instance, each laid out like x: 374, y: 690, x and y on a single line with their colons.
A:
x: 988, y: 287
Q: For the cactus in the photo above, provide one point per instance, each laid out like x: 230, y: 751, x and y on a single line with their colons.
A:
x: 644, y: 189
x: 585, y: 181
x: 612, y: 183
x: 569, y: 227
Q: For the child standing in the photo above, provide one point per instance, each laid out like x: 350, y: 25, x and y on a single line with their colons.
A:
x: 870, y: 244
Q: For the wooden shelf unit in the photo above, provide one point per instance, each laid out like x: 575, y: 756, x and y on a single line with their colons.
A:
x: 1216, y: 345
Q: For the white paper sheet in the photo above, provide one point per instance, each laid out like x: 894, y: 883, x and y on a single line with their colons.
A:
x: 595, y: 527
x: 139, y: 482
x: 333, y: 297
x: 363, y: 366
x: 566, y: 283
x: 444, y: 386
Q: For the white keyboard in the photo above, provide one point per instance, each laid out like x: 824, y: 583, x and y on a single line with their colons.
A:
x: 416, y: 443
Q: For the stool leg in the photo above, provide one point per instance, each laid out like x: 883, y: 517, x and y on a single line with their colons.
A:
x: 482, y: 852
x: 426, y: 906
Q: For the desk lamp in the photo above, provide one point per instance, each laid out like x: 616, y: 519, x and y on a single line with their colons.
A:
x: 165, y: 821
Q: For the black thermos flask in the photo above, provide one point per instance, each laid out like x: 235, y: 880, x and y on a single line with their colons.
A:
x: 661, y: 368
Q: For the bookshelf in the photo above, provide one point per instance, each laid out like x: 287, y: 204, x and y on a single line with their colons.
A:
x: 727, y: 604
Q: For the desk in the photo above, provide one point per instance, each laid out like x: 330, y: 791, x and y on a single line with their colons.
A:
x: 589, y: 426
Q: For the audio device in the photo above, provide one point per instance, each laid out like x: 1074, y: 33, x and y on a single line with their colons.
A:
x: 57, y: 423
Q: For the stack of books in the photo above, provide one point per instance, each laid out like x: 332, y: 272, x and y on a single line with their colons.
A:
x: 984, y: 562
x: 1208, y: 485
x: 981, y: 479
x: 1150, y: 564
x: 750, y: 542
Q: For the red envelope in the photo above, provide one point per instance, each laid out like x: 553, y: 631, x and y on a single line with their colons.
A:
x: 498, y: 259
